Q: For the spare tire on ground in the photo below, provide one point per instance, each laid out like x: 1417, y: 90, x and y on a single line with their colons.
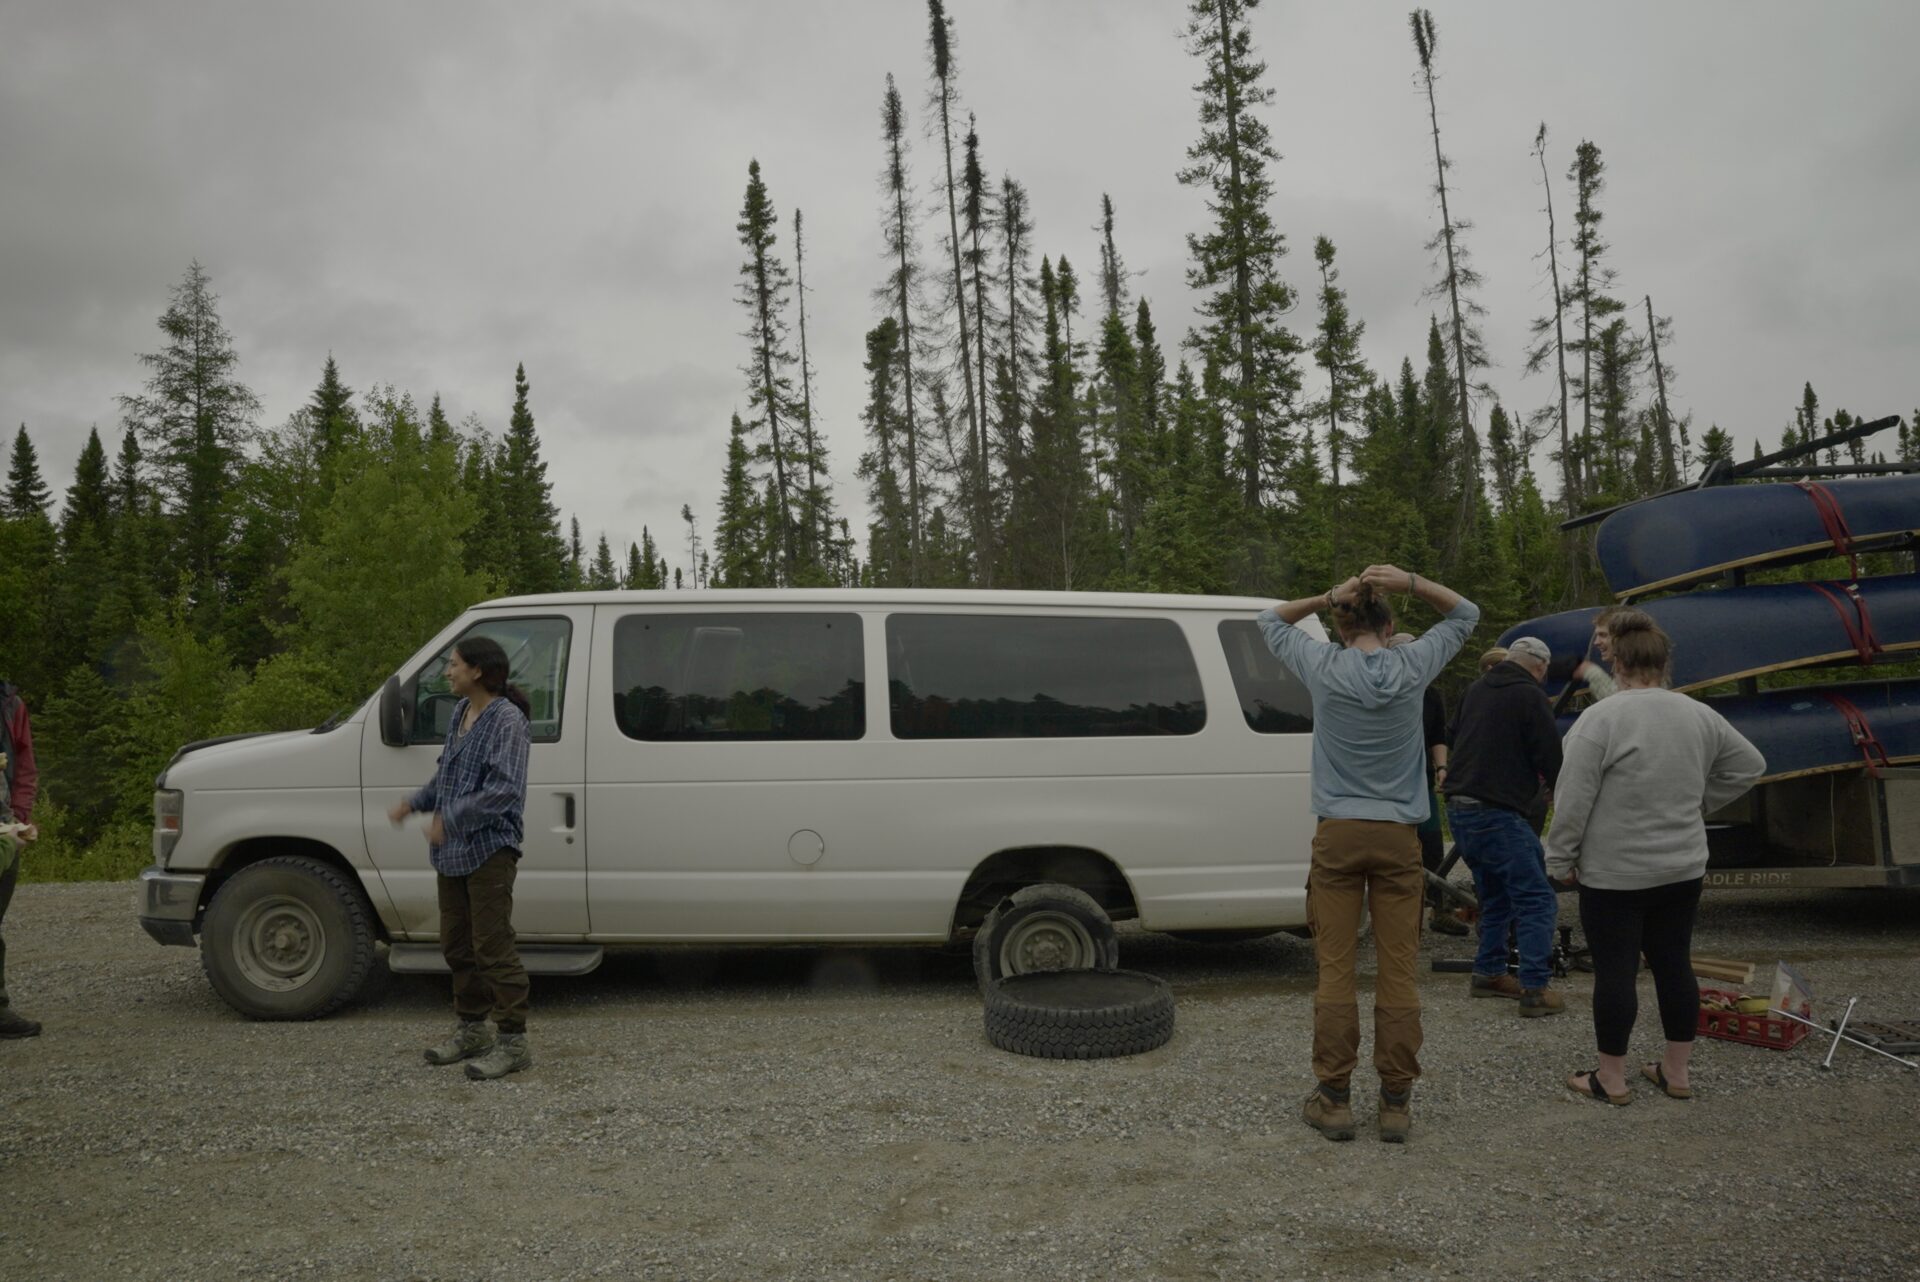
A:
x: 1079, y: 1014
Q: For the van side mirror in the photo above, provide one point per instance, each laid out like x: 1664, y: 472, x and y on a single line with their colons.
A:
x: 396, y: 714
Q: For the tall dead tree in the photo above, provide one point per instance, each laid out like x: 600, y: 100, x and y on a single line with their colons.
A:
x: 940, y: 46
x: 1556, y: 344
x: 1454, y: 284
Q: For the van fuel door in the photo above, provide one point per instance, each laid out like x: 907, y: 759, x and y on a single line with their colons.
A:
x: 805, y: 847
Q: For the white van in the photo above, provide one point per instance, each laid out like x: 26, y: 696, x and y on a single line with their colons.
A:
x: 1020, y: 769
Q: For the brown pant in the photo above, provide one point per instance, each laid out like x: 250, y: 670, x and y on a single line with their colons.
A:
x: 476, y: 937
x: 1356, y: 863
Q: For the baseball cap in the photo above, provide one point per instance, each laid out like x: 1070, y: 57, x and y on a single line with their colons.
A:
x: 1529, y: 648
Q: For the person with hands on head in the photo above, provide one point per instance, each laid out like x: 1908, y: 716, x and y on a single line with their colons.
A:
x: 20, y: 789
x: 477, y: 799
x: 1369, y: 797
x: 1641, y: 771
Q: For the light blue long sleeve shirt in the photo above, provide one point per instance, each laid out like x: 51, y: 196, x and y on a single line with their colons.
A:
x: 1367, y: 741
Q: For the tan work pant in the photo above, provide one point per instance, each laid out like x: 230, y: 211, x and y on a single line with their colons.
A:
x: 477, y: 939
x: 1360, y: 863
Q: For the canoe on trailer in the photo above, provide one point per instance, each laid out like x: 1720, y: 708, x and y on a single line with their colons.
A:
x: 1685, y: 538
x: 1728, y: 633
x: 1805, y: 730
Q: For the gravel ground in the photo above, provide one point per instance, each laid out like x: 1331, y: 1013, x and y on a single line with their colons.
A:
x: 807, y: 1113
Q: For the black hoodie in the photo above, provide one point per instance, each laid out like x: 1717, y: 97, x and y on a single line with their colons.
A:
x: 1505, y: 741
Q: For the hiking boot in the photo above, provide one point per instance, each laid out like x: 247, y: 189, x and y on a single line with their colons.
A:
x: 470, y: 1037
x: 509, y: 1055
x: 13, y: 1024
x: 1494, y: 986
x: 1329, y: 1112
x: 1444, y: 922
x: 1535, y: 1002
x: 1396, y: 1115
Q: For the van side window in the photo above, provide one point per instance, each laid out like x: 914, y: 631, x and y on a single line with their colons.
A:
x: 536, y: 662
x: 978, y: 676
x: 728, y: 678
x: 1273, y: 700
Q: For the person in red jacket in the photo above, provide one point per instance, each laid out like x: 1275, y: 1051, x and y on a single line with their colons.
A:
x: 22, y: 785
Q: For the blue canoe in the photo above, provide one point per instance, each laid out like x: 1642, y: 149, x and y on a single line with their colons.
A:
x: 1693, y: 536
x: 1801, y: 731
x: 1728, y: 633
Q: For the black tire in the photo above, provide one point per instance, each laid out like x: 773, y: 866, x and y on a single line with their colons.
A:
x: 1224, y: 936
x: 1042, y: 928
x: 1079, y: 1014
x: 288, y: 938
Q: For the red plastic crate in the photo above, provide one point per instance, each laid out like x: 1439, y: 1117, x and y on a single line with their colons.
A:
x: 1752, y: 1030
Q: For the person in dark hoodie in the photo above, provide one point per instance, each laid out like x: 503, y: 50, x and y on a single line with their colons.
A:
x: 1505, y: 746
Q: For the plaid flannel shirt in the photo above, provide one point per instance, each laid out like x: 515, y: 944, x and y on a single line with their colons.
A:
x: 479, y: 788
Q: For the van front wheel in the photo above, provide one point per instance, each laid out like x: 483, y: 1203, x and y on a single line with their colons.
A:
x: 1044, y: 927
x: 288, y: 938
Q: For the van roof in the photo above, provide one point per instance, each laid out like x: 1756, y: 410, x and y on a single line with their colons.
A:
x: 889, y: 597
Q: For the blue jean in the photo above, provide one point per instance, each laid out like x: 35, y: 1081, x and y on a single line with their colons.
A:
x: 1510, y: 877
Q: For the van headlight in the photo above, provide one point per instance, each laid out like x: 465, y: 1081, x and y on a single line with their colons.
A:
x: 169, y: 805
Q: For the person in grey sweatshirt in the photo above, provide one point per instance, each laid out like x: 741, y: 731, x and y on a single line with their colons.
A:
x: 1639, y: 772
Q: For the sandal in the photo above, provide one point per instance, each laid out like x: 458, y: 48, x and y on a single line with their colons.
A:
x: 1656, y: 1073
x: 1594, y: 1089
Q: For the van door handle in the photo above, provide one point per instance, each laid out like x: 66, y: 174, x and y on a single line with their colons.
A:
x: 567, y: 811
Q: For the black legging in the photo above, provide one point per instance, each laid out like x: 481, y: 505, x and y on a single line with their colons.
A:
x: 1622, y: 924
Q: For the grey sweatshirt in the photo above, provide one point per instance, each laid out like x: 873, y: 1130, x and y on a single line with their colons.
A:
x: 1640, y: 769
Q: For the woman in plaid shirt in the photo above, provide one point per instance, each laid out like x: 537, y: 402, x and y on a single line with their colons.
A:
x: 478, y: 798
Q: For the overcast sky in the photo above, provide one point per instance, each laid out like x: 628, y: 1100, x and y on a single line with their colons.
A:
x: 436, y: 191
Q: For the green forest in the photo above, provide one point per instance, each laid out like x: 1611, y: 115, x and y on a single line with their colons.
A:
x: 1025, y: 424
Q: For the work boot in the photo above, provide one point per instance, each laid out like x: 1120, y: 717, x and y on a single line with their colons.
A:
x: 1396, y: 1115
x: 1494, y: 986
x: 1329, y: 1112
x: 1445, y: 923
x: 509, y: 1055
x: 470, y: 1037
x: 1536, y: 1002
x: 13, y: 1024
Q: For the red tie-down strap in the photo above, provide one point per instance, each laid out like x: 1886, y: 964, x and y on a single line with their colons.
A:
x: 1835, y: 521
x: 1857, y: 621
x: 1863, y: 736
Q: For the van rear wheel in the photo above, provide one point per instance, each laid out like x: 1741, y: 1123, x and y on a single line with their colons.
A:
x: 1041, y: 928
x: 288, y: 938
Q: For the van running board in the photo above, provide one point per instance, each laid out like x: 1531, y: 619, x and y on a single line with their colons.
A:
x: 539, y: 959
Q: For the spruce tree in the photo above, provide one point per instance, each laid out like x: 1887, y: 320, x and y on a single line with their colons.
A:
x: 134, y: 558
x: 439, y: 430
x: 1658, y: 328
x: 197, y: 414
x: 977, y: 217
x: 1337, y: 351
x: 940, y: 53
x: 653, y: 565
x: 1456, y: 283
x: 889, y: 552
x: 603, y: 577
x: 1589, y: 298
x: 27, y: 494
x: 1236, y: 264
x: 771, y: 405
x: 737, y: 535
x: 576, y: 561
x: 536, y: 559
x: 902, y: 293
x: 81, y: 582
x: 334, y: 420
x: 818, y: 518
